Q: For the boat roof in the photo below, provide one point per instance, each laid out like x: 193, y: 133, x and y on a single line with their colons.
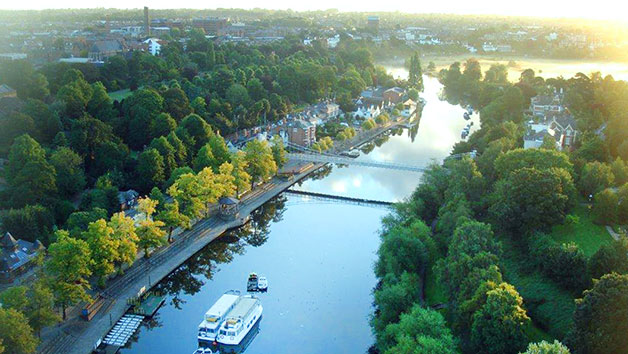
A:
x: 243, y: 307
x: 222, y: 305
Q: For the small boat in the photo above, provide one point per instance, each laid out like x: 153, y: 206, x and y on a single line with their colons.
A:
x: 251, y: 284
x: 352, y: 154
x: 466, y: 116
x: 242, y: 318
x: 262, y: 284
x: 215, y: 316
x: 203, y: 351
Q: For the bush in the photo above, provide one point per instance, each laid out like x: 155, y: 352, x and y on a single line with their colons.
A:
x: 605, y: 207
x: 566, y: 264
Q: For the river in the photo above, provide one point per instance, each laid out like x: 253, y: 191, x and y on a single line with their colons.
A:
x: 317, y: 256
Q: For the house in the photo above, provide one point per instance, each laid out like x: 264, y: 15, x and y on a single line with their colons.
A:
x: 16, y: 256
x: 394, y: 94
x: 299, y: 132
x: 409, y: 106
x: 366, y: 111
x: 127, y: 199
x: 560, y: 125
x: 373, y: 95
x: 7, y: 91
x: 542, y: 104
x: 534, y: 139
x: 102, y: 50
x: 332, y: 42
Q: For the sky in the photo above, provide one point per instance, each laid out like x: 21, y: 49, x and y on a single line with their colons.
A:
x: 600, y: 9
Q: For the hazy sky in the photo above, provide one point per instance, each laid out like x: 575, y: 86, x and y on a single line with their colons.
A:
x: 600, y: 9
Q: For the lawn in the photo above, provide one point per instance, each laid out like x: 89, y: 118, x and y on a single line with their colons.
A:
x: 587, y: 235
x: 120, y: 94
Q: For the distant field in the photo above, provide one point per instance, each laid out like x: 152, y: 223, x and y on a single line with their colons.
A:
x: 120, y: 95
x: 587, y: 235
x: 543, y: 67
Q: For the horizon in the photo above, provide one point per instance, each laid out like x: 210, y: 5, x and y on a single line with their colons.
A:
x: 534, y: 9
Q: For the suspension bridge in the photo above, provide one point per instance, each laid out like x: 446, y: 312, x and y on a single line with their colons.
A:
x: 309, y: 155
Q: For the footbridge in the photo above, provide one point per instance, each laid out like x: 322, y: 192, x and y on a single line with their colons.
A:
x: 308, y: 155
x: 339, y: 198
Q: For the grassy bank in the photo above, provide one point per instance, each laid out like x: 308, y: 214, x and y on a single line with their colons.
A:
x: 587, y: 235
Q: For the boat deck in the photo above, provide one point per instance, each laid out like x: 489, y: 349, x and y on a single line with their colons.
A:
x: 243, y: 307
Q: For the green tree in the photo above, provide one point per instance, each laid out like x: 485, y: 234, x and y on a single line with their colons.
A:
x: 100, y: 104
x: 419, y: 331
x: 125, y: 236
x: 70, y: 177
x: 69, y: 264
x: 415, y: 74
x: 205, y: 158
x: 595, y: 177
x: 150, y: 235
x: 499, y: 326
x: 544, y: 347
x: 620, y: 171
x: 601, y: 317
x: 622, y: 208
x: 176, y: 103
x: 260, y: 162
x: 47, y: 122
x: 33, y: 222
x: 605, y: 207
x: 242, y: 179
x: 40, y: 311
x: 167, y: 152
x: 220, y: 151
x: 15, y: 298
x: 162, y: 125
x: 396, y: 296
x: 172, y: 218
x: 141, y: 108
x: 23, y: 150
x: 609, y: 258
x: 103, y: 247
x: 150, y: 170
x: 279, y: 151
x: 532, y: 199
x: 79, y: 220
x: 186, y: 190
x: 15, y: 333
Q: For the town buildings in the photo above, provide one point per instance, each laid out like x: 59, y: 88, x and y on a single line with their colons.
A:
x: 16, y: 256
x: 550, y: 119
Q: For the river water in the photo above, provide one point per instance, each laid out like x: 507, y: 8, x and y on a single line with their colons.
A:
x: 317, y: 255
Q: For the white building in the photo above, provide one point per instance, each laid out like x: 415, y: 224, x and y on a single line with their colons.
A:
x: 154, y: 45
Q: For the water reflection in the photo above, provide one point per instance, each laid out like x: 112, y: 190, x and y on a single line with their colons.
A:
x: 313, y: 281
x: 438, y: 129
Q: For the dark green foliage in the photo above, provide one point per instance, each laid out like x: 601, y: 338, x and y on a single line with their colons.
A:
x: 566, y: 264
x: 605, y: 207
x: 150, y: 170
x: 78, y: 221
x: 601, y: 317
x: 33, y: 222
x: 69, y: 171
x: 610, y: 258
x: 531, y: 199
x: 595, y: 177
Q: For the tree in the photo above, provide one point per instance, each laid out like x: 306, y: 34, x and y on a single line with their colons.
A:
x: 40, y: 311
x: 205, y: 158
x: 186, y: 190
x: 171, y: 217
x: 601, y: 317
x: 237, y: 95
x: 279, y: 151
x: 69, y: 264
x: 595, y: 177
x: 609, y: 258
x: 532, y: 199
x: 150, y: 170
x: 167, y: 152
x: 162, y: 125
x: 605, y: 207
x: 100, y: 104
x: 499, y: 326
x: 79, y: 220
x: 125, y: 236
x: 47, y: 122
x: 33, y: 222
x: 70, y: 177
x: 103, y: 247
x: 418, y: 331
x: 34, y: 183
x: 402, y: 250
x: 242, y: 179
x: 176, y: 103
x: 544, y: 347
x: 541, y: 159
x: 15, y: 333
x: 396, y: 296
x: 141, y: 108
x: 15, y: 298
x: 620, y: 172
x: 23, y: 150
x: 260, y: 162
x: 622, y: 208
x: 150, y: 235
x: 415, y: 74
x: 219, y: 148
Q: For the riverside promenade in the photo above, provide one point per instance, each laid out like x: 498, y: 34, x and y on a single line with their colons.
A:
x: 76, y: 336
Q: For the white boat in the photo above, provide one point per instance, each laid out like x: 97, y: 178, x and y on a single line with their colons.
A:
x: 216, y: 315
x: 262, y: 284
x: 203, y: 351
x: 240, y: 320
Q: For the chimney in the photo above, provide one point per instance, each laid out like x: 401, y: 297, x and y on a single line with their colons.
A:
x: 146, y: 21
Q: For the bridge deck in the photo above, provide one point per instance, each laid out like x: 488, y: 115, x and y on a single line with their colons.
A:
x: 328, y: 158
x: 338, y: 197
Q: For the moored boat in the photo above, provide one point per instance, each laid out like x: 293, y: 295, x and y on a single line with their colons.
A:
x: 262, y: 284
x: 203, y: 351
x: 251, y: 284
x: 215, y: 316
x: 240, y: 320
